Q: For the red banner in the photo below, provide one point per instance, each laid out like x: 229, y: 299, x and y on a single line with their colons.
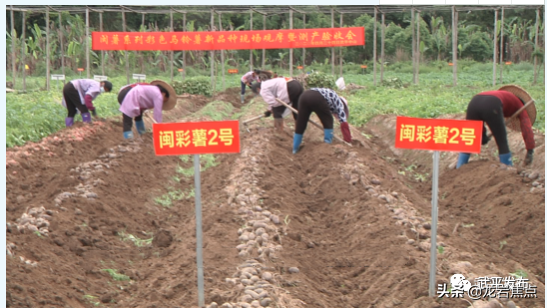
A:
x: 196, y: 138
x: 438, y: 135
x: 225, y: 40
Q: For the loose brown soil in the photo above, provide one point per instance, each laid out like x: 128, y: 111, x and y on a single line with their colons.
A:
x: 353, y: 224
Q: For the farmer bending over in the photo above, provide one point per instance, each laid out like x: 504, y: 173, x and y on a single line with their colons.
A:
x: 324, y: 102
x: 79, y: 94
x: 135, y: 99
x: 491, y: 107
x: 247, y: 80
x: 285, y: 89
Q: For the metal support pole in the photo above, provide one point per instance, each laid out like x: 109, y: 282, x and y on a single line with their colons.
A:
x: 23, y: 47
x: 251, y: 51
x: 332, y: 48
x: 48, y: 68
x: 434, y: 217
x: 382, y: 47
x: 172, y: 52
x: 102, y: 51
x: 61, y: 42
x: 13, y: 40
x: 212, y: 54
x: 501, y: 44
x: 290, y: 50
x: 341, y: 58
x: 199, y: 231
x: 126, y: 52
x: 374, y: 43
x: 263, y: 50
x: 87, y: 40
x: 412, y: 21
x: 536, y: 70
x: 417, y: 76
x: 304, y: 49
x: 454, y: 46
x: 495, y: 48
x: 222, y: 51
x: 184, y: 51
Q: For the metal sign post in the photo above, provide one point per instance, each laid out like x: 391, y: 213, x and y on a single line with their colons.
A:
x: 463, y: 136
x: 176, y: 139
x: 99, y: 78
x: 434, y: 219
x: 57, y: 77
x: 199, y: 231
x: 139, y: 77
x: 181, y: 76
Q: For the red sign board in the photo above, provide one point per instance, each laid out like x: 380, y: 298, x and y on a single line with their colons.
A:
x: 80, y: 69
x: 438, y: 135
x: 300, y: 67
x: 180, y: 69
x: 233, y: 71
x: 225, y: 40
x: 363, y: 66
x: 196, y: 137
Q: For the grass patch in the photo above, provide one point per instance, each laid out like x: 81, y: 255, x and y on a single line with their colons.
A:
x: 115, y: 275
x: 136, y: 240
x: 92, y: 300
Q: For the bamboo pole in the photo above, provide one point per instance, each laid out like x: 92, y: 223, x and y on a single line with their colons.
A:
x: 382, y: 47
x: 374, y: 43
x: 222, y: 51
x: 48, y: 68
x: 341, y: 58
x: 23, y: 47
x: 454, y: 46
x: 501, y: 44
x: 143, y: 20
x: 495, y: 47
x: 263, y: 50
x: 332, y: 48
x: 290, y: 50
x: 184, y: 51
x: 536, y: 70
x: 304, y: 49
x: 413, y: 21
x: 62, y: 51
x: 417, y: 77
x: 212, y: 53
x: 87, y: 47
x: 126, y: 52
x: 251, y: 51
x: 13, y: 39
x: 102, y: 51
x: 172, y: 52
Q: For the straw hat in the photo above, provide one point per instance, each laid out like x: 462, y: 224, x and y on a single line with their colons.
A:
x: 524, y: 97
x: 172, y: 101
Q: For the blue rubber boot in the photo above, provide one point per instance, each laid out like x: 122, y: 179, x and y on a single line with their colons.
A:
x: 86, y: 117
x: 69, y: 122
x: 297, y: 140
x: 506, y: 159
x: 329, y: 133
x: 140, y: 127
x: 463, y: 158
x: 128, y: 135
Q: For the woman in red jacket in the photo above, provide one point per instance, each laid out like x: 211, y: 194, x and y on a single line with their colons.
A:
x: 491, y: 107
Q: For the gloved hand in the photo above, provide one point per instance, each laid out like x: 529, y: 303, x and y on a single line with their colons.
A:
x: 297, y: 140
x: 128, y: 135
x: 140, y: 127
x: 506, y: 159
x: 94, y: 112
x: 529, y: 157
x: 328, y: 135
x: 346, y: 132
x: 485, y: 140
x: 267, y: 113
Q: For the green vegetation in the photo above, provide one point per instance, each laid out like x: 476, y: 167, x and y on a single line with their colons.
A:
x: 194, y: 85
x: 137, y: 241
x: 115, y: 275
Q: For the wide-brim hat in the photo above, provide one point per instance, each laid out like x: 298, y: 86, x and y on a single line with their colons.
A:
x: 519, y: 92
x: 172, y: 101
